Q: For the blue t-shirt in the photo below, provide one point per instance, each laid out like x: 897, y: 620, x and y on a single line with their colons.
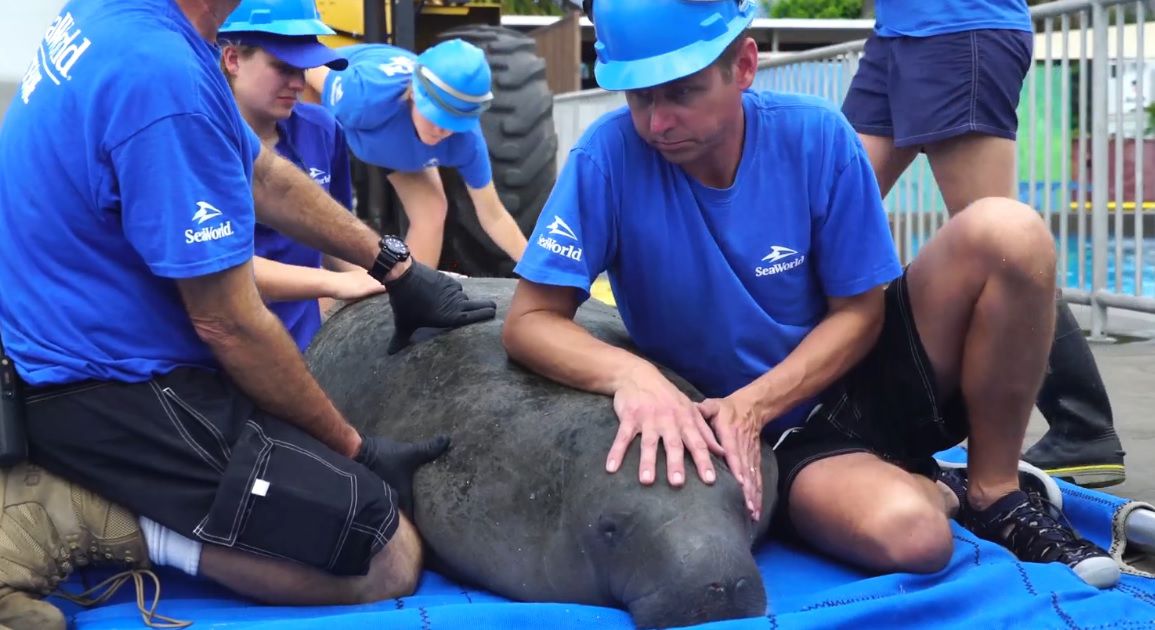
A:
x: 119, y: 176
x: 924, y: 18
x: 720, y: 285
x: 311, y: 139
x: 368, y: 99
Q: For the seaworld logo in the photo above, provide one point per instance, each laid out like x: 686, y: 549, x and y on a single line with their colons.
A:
x: 569, y: 251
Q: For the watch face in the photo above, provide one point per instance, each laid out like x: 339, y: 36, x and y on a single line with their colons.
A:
x: 396, y: 245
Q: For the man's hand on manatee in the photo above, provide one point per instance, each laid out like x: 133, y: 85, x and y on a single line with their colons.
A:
x: 426, y: 298
x: 739, y: 430
x: 396, y: 462
x: 650, y: 405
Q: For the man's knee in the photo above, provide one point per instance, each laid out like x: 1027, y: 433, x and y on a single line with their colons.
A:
x: 875, y: 514
x: 1009, y: 236
x: 910, y: 535
x: 396, y: 570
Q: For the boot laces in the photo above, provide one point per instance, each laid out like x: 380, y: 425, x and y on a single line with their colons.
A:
x: 104, y: 591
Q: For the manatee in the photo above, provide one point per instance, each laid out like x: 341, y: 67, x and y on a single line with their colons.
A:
x: 521, y: 504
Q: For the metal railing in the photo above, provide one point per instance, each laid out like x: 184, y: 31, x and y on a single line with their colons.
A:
x: 1082, y: 145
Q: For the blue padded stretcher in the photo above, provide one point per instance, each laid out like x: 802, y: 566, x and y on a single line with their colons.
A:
x: 984, y: 587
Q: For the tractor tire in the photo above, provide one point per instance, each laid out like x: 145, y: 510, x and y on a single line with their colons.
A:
x: 519, y: 131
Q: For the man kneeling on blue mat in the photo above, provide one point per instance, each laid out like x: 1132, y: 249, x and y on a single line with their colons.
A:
x: 748, y: 249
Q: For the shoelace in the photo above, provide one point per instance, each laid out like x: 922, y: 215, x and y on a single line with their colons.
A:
x: 1036, y: 525
x: 111, y: 585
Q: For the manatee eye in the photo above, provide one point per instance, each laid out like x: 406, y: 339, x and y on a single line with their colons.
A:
x: 608, y: 530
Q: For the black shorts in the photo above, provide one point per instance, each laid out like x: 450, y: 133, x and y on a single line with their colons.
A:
x: 888, y: 405
x: 191, y: 452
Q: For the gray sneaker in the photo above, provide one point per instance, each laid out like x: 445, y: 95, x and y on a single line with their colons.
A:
x: 1032, y: 480
x: 1036, y: 531
x: 1030, y: 523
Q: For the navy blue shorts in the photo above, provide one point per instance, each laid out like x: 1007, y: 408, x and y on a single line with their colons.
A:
x: 921, y: 90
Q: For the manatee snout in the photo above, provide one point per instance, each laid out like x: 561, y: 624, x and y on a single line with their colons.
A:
x: 700, y: 569
x: 682, y: 556
x: 732, y: 591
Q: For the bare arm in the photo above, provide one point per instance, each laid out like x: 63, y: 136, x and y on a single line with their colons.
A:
x: 258, y: 354
x: 540, y: 333
x: 497, y: 222
x: 837, y: 343
x: 315, y: 79
x: 290, y: 202
x: 422, y: 195
x: 332, y: 263
x: 278, y: 282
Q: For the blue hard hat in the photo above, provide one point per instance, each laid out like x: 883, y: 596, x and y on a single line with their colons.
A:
x: 277, y: 17
x: 451, y: 85
x: 643, y: 43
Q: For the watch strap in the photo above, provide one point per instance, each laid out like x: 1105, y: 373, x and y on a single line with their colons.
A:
x: 385, y: 262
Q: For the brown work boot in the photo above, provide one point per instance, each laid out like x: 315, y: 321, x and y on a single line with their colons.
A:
x: 21, y: 611
x: 48, y: 527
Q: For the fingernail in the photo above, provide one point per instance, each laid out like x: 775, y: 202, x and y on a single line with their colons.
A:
x: 676, y: 478
x: 611, y: 465
x: 647, y: 476
x: 749, y: 505
x: 710, y: 476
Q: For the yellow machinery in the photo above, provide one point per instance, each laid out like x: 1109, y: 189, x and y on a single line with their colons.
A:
x: 518, y: 128
x: 347, y: 17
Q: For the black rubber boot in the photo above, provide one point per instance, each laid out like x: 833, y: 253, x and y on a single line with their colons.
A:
x: 1081, y: 445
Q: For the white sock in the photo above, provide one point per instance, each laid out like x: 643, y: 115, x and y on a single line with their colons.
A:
x: 167, y: 548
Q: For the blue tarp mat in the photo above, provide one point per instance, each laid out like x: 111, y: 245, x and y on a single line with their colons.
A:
x: 984, y: 587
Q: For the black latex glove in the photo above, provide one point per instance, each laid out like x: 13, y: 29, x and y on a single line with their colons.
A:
x: 396, y: 462
x: 426, y: 298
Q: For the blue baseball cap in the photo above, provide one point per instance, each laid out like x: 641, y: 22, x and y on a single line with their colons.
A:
x: 298, y: 51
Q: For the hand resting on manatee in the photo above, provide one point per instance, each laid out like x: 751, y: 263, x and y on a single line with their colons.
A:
x: 521, y: 504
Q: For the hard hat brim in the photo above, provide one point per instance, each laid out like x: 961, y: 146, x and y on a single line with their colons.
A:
x: 636, y: 74
x: 294, y: 28
x: 440, y: 117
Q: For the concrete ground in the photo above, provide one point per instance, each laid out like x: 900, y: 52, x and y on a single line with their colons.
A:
x: 1128, y: 370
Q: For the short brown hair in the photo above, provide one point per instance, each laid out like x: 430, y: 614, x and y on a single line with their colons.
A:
x: 725, y: 61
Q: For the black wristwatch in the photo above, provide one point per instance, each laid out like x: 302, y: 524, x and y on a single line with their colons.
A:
x: 393, y: 251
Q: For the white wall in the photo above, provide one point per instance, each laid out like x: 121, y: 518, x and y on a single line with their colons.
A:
x: 22, y: 26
